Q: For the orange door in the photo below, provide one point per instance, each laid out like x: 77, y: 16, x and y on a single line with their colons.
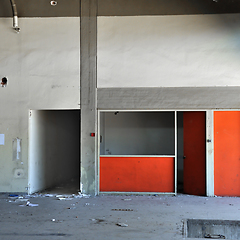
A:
x: 194, y: 168
x: 227, y: 153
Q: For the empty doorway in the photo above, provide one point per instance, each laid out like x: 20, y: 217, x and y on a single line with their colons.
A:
x: 54, y: 149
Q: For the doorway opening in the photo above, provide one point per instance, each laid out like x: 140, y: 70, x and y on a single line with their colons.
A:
x: 54, y: 151
x: 191, y: 167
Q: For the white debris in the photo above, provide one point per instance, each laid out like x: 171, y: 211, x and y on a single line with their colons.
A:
x: 31, y: 204
x: 28, y: 204
x: 48, y: 195
x: 122, y: 224
x: 65, y: 198
x: 81, y: 195
x: 22, y: 200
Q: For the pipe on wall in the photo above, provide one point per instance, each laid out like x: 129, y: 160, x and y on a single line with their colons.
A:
x: 15, y: 17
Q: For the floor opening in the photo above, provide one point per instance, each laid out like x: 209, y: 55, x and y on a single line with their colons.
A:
x: 54, y: 151
x: 213, y: 229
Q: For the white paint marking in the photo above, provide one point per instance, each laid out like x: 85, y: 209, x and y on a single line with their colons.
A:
x: 2, y: 139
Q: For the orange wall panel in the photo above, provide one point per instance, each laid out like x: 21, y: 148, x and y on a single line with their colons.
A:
x: 227, y: 153
x: 137, y: 174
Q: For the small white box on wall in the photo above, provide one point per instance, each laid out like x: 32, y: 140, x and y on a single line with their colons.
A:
x: 2, y: 139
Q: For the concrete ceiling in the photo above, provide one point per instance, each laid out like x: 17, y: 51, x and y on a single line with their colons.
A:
x: 65, y: 8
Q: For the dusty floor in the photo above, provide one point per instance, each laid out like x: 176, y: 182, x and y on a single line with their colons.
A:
x: 146, y: 217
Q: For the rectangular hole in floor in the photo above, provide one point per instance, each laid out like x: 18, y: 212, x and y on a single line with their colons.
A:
x: 212, y: 229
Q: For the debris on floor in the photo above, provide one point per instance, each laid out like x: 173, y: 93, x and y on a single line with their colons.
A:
x: 48, y: 195
x: 71, y: 208
x: 64, y: 197
x: 218, y: 236
x: 81, y: 195
x: 56, y: 221
x: 70, y: 197
x: 12, y: 196
x: 28, y: 204
x: 16, y: 198
x: 98, y: 221
x: 122, y: 224
x: 124, y: 209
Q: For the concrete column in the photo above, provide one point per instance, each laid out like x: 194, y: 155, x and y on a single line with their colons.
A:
x: 88, y: 61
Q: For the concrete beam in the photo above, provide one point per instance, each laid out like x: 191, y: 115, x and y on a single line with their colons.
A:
x: 88, y: 69
x: 70, y: 8
x: 176, y: 98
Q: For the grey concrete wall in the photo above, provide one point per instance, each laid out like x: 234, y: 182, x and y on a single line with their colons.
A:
x: 168, y: 51
x: 139, y: 133
x: 42, y: 66
x: 54, y: 148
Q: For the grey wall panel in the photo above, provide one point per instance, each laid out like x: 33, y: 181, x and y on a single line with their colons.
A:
x: 41, y: 8
x: 169, y: 98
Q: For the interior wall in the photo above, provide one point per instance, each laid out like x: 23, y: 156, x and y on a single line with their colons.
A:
x: 139, y: 133
x: 54, y: 148
x: 42, y: 66
x: 168, y: 51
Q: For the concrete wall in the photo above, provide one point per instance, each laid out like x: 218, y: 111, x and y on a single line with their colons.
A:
x: 168, y: 51
x: 54, y: 148
x: 139, y: 133
x: 42, y: 66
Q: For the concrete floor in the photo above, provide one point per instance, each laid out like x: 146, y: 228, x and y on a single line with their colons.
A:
x: 148, y: 217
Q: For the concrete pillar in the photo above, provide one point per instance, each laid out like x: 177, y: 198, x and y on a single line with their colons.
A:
x: 88, y: 91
